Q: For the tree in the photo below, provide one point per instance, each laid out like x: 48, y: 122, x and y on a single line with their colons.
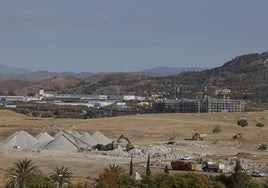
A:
x: 259, y: 125
x: 40, y: 182
x: 266, y: 183
x: 60, y: 175
x: 131, y: 167
x: 239, y: 178
x: 242, y: 122
x: 182, y: 180
x: 166, y: 169
x: 216, y: 129
x: 112, y: 177
x: 262, y: 147
x: 148, y: 170
x: 23, y: 172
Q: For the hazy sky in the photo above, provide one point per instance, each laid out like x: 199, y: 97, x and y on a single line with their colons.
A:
x: 129, y: 35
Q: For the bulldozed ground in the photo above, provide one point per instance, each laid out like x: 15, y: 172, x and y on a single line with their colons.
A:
x: 146, y: 130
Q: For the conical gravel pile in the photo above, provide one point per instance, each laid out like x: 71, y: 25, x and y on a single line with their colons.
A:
x: 65, y: 139
x: 43, y: 138
x: 101, y: 138
x: 88, y: 139
x: 20, y: 139
x: 76, y: 134
x: 68, y: 131
x: 61, y: 143
x: 58, y: 134
x: 80, y: 143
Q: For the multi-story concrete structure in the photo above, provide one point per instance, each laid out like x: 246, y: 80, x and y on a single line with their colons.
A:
x: 197, y: 106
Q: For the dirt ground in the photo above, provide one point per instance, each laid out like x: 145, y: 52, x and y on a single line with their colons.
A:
x: 142, y: 130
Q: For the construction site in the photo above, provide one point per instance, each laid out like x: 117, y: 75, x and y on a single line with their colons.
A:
x: 88, y: 146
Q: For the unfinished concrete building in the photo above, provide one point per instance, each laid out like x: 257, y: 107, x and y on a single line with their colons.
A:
x: 199, y: 106
x: 225, y: 105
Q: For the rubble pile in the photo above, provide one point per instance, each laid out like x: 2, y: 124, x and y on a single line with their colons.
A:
x: 247, y: 164
x: 154, y: 151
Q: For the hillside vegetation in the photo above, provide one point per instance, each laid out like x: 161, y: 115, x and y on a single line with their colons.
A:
x: 246, y: 76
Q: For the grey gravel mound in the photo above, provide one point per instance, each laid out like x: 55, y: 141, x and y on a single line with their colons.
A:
x: 88, y: 139
x: 61, y: 143
x: 101, y: 138
x: 43, y: 138
x: 58, y: 134
x: 76, y: 134
x: 68, y: 131
x: 65, y: 141
x: 20, y: 139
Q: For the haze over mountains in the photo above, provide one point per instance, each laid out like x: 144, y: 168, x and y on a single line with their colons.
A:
x: 25, y: 74
x: 12, y: 70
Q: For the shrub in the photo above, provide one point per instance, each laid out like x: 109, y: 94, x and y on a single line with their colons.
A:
x: 166, y: 169
x: 259, y: 125
x: 216, y: 129
x: 262, y: 147
x: 242, y: 122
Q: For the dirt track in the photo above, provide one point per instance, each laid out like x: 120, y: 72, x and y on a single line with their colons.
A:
x: 142, y: 130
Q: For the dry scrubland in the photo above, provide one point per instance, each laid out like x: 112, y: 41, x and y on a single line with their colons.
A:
x: 149, y: 129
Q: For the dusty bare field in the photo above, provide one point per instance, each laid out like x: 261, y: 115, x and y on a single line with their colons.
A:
x: 151, y: 129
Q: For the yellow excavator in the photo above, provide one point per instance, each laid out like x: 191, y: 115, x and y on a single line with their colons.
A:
x: 129, y: 146
x: 199, y: 136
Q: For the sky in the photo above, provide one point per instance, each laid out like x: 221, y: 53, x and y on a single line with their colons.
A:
x: 126, y: 36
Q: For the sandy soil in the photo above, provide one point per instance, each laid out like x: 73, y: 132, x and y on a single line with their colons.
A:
x: 142, y: 130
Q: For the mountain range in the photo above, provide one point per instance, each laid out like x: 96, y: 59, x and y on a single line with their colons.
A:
x: 24, y: 74
x: 12, y: 70
x: 246, y: 76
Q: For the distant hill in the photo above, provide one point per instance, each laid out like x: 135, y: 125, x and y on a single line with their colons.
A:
x: 246, y: 76
x: 13, y: 87
x: 23, y: 74
x: 42, y: 75
x: 4, y: 70
x: 165, y: 71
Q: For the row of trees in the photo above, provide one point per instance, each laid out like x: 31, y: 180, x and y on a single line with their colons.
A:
x: 79, y: 111
x: 244, y: 123
x: 24, y: 174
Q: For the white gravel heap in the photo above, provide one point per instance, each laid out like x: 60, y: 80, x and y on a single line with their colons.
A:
x: 65, y: 141
x: 20, y: 139
x: 68, y: 131
x: 61, y: 143
x: 58, y: 134
x: 101, y: 138
x: 43, y: 138
x: 88, y: 139
x: 76, y: 134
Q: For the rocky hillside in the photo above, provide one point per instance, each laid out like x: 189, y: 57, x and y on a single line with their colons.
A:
x: 246, y: 76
